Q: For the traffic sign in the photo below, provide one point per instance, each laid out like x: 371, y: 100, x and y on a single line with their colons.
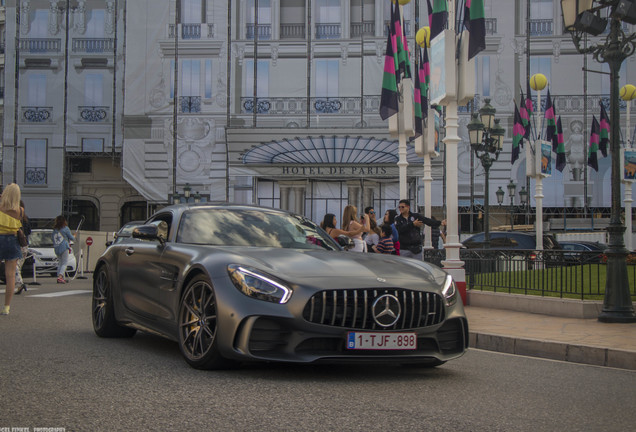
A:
x: 89, y: 241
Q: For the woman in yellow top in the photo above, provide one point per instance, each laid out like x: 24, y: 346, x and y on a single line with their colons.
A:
x: 9, y: 247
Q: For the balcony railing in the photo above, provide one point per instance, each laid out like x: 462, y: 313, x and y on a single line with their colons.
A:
x: 93, y: 114
x: 190, y: 104
x: 192, y: 31
x: 328, y: 31
x: 35, y: 175
x: 40, y: 46
x: 93, y: 45
x: 491, y: 26
x: 264, y: 31
x: 575, y: 103
x: 541, y: 27
x: 292, y: 31
x: 34, y: 114
x: 319, y: 105
x: 366, y: 28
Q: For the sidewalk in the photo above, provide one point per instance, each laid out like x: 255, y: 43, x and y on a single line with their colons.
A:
x: 575, y: 340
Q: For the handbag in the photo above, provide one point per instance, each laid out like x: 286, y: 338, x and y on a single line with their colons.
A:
x: 22, y: 240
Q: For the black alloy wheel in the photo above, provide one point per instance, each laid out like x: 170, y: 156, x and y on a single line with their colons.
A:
x: 198, y: 319
x: 103, y: 312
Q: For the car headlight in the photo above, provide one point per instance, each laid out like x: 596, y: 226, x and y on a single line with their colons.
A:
x: 449, y: 291
x: 257, y: 284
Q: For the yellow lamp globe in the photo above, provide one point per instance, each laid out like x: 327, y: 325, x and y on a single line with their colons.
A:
x: 423, y: 36
x: 628, y: 92
x: 538, y: 82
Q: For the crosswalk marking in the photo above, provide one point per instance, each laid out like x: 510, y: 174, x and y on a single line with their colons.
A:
x: 62, y: 293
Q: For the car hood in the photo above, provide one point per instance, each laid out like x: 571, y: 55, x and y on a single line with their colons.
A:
x: 350, y: 268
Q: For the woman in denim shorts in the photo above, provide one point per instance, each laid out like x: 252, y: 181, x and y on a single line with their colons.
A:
x: 9, y: 247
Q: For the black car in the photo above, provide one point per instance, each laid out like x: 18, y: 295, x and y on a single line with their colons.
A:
x: 507, y: 248
x: 232, y: 283
x: 583, y: 252
x: 511, y: 240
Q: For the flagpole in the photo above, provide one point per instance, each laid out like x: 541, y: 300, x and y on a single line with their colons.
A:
x: 538, y: 189
x: 628, y: 184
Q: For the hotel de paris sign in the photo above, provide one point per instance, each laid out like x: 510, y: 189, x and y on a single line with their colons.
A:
x: 333, y: 171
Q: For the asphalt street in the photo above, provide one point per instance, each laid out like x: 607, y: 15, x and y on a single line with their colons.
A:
x: 55, y: 373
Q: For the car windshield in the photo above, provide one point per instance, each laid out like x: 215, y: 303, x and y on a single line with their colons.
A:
x: 126, y: 230
x: 41, y: 239
x: 249, y: 227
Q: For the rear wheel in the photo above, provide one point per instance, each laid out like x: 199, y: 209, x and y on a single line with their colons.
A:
x: 103, y: 312
x: 198, y: 326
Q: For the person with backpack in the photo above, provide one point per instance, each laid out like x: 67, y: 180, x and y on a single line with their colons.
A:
x: 61, y: 238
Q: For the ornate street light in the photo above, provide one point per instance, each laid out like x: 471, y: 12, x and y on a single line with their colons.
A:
x: 582, y: 16
x: 186, y: 191
x: 500, y: 195
x: 512, y: 187
x: 486, y: 142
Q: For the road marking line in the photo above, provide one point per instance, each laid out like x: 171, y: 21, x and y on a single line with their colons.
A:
x: 62, y: 293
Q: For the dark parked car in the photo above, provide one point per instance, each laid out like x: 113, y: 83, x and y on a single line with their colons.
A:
x: 583, y: 252
x: 234, y: 283
x: 512, y: 246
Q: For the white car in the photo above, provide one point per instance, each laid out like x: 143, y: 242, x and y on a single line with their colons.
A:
x: 44, y: 258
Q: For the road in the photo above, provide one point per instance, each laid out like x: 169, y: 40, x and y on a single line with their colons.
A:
x: 55, y: 373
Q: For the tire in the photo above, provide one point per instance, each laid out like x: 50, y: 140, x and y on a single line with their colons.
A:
x: 103, y: 311
x: 198, y: 326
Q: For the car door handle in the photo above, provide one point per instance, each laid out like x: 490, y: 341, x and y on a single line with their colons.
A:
x: 130, y: 251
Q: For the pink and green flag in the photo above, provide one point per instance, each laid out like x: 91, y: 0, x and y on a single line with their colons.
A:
x: 389, y: 94
x: 550, y: 133
x: 604, y: 134
x: 525, y: 116
x: 403, y: 65
x: 592, y: 157
x: 437, y: 16
x: 517, y: 135
x: 560, y: 151
x: 475, y: 23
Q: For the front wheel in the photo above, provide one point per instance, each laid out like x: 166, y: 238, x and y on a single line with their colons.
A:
x: 103, y: 312
x: 198, y: 326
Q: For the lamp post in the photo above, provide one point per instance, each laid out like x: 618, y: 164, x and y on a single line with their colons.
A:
x: 523, y: 197
x: 486, y: 140
x: 583, y: 16
x: 628, y: 92
x: 512, y: 187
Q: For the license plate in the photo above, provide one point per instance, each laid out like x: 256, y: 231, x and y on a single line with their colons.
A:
x: 381, y: 341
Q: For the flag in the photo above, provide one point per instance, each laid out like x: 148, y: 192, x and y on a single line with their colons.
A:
x: 603, y: 136
x: 417, y: 98
x: 437, y: 16
x: 592, y: 158
x: 425, y: 80
x: 525, y: 116
x: 389, y: 94
x: 517, y: 135
x: 633, y: 137
x: 403, y: 65
x: 550, y: 133
x: 560, y: 151
x: 529, y: 105
x: 475, y: 23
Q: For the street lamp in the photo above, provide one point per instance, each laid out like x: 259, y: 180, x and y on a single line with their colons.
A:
x: 582, y: 16
x: 512, y: 187
x: 486, y: 140
x: 523, y: 197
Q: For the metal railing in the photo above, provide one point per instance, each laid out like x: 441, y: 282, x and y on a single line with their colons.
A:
x: 292, y: 31
x: 93, y: 114
x: 93, y: 45
x: 40, y: 45
x: 366, y: 28
x: 34, y: 114
x: 190, y: 104
x: 541, y: 27
x: 328, y: 31
x: 298, y: 105
x: 264, y: 31
x: 549, y: 273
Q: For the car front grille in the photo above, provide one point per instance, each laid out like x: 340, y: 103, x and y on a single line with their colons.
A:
x: 354, y: 309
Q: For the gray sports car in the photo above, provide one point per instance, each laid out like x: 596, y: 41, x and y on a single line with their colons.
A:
x: 233, y: 283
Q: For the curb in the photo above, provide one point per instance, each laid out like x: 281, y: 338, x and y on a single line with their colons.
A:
x: 554, y: 350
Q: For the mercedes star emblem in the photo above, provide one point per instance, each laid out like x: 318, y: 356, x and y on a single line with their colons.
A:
x: 386, y: 310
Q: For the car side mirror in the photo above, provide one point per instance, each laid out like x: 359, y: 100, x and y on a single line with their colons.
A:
x: 154, y: 231
x: 345, y: 242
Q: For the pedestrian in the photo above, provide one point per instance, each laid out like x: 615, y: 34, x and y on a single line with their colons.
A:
x: 61, y: 238
x: 442, y: 234
x: 389, y: 219
x: 26, y: 229
x: 10, y: 252
x: 385, y: 245
x: 329, y: 224
x: 373, y: 236
x: 350, y: 224
x: 435, y: 235
x: 409, y: 226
